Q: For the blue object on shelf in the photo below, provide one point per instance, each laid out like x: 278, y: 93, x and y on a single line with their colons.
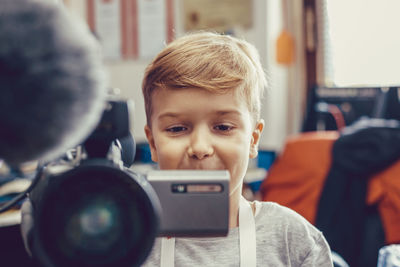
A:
x: 255, y: 186
x: 265, y: 158
x: 143, y: 153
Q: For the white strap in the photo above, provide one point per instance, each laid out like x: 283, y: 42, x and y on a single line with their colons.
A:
x: 247, y: 234
x: 167, y: 251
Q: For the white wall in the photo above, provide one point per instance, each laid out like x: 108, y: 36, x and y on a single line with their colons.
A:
x: 127, y: 75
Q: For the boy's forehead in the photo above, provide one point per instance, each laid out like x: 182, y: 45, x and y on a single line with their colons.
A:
x: 170, y: 104
x: 167, y: 100
x: 214, y: 92
x: 176, y: 94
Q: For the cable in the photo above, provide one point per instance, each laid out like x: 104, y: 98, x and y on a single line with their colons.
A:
x: 337, y: 116
x: 22, y: 195
x: 333, y: 110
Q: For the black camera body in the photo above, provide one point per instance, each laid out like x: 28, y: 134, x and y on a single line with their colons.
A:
x: 91, y: 210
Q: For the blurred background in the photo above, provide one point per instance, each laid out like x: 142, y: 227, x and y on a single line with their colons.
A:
x: 305, y: 47
x: 331, y: 64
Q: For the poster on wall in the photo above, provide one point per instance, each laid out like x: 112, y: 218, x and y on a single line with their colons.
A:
x: 131, y: 29
x: 221, y: 15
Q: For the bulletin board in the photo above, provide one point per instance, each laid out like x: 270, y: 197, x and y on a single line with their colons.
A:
x: 131, y: 29
x: 219, y: 15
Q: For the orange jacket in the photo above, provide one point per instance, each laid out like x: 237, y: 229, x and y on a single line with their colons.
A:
x: 297, y: 177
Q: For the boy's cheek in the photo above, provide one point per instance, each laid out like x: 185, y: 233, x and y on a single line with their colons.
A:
x: 168, y: 155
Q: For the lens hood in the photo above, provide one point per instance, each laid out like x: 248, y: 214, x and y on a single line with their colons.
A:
x: 95, y: 214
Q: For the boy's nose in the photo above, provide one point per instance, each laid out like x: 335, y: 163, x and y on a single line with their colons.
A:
x: 200, y: 144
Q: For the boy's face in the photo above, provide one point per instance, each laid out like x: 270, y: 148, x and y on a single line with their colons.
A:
x: 199, y: 130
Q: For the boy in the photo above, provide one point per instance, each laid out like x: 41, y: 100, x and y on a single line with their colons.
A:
x: 202, y: 97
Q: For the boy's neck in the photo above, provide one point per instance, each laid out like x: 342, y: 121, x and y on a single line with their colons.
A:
x: 234, y: 201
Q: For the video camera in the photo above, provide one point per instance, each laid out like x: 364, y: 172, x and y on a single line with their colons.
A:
x: 90, y: 210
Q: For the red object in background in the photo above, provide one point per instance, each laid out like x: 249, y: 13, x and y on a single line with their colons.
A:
x: 297, y: 177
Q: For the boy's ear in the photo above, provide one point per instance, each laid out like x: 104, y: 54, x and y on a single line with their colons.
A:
x: 150, y: 139
x: 255, y: 138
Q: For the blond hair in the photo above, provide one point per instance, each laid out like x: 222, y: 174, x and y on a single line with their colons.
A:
x: 209, y: 61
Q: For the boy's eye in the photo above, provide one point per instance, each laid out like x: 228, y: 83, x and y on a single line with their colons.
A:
x: 176, y: 129
x: 223, y: 127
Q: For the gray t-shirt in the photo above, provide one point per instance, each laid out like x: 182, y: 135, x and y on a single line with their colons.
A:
x: 284, y: 238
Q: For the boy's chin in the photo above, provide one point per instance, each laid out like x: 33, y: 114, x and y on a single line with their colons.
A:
x: 202, y: 167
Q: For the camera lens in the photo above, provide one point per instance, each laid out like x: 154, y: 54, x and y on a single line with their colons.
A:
x: 95, y: 216
x: 94, y: 226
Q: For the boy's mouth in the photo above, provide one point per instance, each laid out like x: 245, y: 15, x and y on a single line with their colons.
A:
x: 202, y: 166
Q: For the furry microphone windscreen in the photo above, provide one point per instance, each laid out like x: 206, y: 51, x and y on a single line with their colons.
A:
x: 52, y: 81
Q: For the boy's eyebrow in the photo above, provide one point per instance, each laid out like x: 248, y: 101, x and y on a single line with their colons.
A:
x: 228, y: 112
x: 218, y: 112
x: 168, y: 114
